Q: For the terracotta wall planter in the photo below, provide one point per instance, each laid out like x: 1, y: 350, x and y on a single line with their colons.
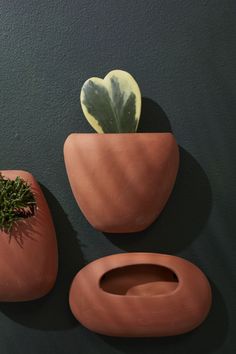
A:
x: 121, y: 182
x: 28, y: 258
x: 140, y: 295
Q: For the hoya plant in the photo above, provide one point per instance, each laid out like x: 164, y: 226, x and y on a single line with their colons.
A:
x: 17, y: 202
x: 112, y: 104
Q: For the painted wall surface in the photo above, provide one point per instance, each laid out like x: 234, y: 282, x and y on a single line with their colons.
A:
x: 183, y: 55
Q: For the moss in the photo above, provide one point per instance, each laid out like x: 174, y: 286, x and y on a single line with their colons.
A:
x: 17, y: 202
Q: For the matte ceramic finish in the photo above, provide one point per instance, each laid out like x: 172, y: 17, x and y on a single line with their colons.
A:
x: 28, y: 258
x: 109, y: 296
x: 121, y: 182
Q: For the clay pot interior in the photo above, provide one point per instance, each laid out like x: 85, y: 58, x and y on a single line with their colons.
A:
x: 139, y: 280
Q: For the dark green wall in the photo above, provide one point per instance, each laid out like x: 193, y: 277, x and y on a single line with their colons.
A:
x: 183, y: 55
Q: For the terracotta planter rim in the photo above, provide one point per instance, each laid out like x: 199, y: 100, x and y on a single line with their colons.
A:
x: 179, y: 281
x: 132, y: 133
x: 17, y: 171
x: 127, y: 263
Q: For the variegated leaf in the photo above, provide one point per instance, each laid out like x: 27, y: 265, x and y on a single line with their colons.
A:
x: 112, y: 104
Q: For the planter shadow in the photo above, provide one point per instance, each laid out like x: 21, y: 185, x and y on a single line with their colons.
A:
x: 153, y: 118
x: 187, y: 209
x: 207, y: 338
x: 52, y: 312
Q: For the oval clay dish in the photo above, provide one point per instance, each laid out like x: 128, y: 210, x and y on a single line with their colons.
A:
x: 121, y: 182
x: 28, y: 255
x: 140, y: 295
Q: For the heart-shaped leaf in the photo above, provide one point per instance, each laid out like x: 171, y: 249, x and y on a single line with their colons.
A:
x: 112, y: 104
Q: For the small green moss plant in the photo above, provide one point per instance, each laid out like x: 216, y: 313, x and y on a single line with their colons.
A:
x: 17, y: 202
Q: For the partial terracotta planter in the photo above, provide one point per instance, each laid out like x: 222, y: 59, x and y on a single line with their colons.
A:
x: 28, y: 257
x: 140, y: 295
x: 121, y: 182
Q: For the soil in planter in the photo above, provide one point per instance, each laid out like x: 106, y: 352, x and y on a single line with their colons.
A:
x: 139, y: 280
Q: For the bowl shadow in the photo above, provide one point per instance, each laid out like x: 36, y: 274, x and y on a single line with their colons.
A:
x: 52, y: 311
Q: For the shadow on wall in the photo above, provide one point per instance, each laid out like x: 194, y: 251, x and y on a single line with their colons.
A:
x: 205, y: 339
x: 188, y: 207
x: 52, y: 312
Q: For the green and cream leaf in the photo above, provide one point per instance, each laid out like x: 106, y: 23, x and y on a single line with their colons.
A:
x: 112, y: 104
